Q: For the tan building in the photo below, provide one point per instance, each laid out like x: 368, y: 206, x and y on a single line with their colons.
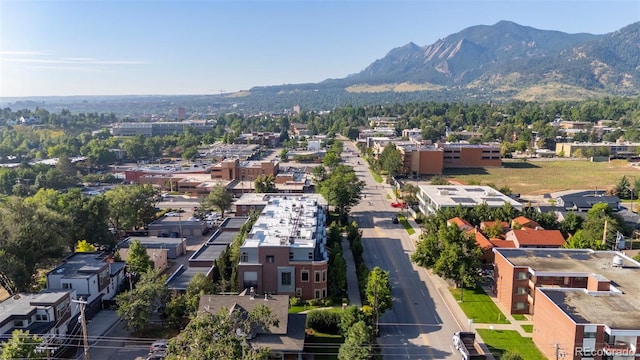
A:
x: 234, y: 169
x: 421, y: 159
x: 462, y: 155
x: 285, y: 251
x: 585, y: 303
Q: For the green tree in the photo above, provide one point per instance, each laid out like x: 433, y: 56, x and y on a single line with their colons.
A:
x: 216, y: 335
x: 342, y: 189
x: 623, y: 188
x: 351, y: 315
x: 337, y: 272
x: 356, y: 344
x: 378, y: 290
x: 136, y: 307
x: 21, y: 345
x: 391, y: 160
x: 439, y: 180
x: 450, y: 253
x: 199, y: 285
x: 265, y: 184
x: 219, y: 197
x: 131, y: 207
x: 137, y: 258
x: 33, y: 238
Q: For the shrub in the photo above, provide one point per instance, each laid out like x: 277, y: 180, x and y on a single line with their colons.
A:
x: 324, y: 321
x: 295, y: 301
x: 327, y: 302
x: 313, y: 302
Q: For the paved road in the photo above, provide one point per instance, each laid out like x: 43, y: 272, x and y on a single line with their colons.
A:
x: 420, y: 325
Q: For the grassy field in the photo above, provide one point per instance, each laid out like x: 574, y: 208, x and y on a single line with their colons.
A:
x: 405, y: 223
x: 527, y: 328
x: 479, y: 307
x: 501, y: 341
x: 541, y: 177
x: 519, y: 317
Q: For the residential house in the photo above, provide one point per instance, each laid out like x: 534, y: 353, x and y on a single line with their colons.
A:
x: 286, y: 341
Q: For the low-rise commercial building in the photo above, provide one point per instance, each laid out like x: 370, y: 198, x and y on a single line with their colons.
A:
x: 284, y: 252
x: 615, y: 149
x: 160, y: 128
x: 432, y: 198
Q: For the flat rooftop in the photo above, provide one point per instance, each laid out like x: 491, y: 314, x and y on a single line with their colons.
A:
x: 292, y: 221
x: 22, y: 304
x: 253, y: 199
x: 182, y: 218
x: 181, y: 278
x: 81, y: 264
x: 208, y: 252
x: 618, y: 309
x: 222, y: 237
x: 153, y: 241
x: 467, y: 196
x: 233, y: 223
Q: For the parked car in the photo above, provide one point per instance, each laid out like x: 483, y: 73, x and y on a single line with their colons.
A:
x: 399, y: 205
x: 158, y: 346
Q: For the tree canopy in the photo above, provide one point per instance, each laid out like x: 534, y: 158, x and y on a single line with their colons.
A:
x: 219, y: 197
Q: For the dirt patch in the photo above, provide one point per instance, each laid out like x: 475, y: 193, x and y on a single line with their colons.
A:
x: 3, y: 294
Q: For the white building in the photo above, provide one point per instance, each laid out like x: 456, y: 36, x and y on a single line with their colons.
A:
x: 432, y: 198
x: 91, y: 275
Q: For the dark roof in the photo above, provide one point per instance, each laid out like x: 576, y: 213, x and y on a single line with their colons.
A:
x: 208, y: 252
x: 222, y: 237
x: 233, y: 223
x: 588, y: 201
x: 181, y: 278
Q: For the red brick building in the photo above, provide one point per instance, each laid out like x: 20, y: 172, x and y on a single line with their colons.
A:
x: 285, y: 251
x: 585, y: 303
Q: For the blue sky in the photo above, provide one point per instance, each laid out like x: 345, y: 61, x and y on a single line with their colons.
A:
x: 106, y: 47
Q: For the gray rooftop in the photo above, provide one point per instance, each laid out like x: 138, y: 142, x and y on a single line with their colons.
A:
x: 81, y: 264
x: 618, y: 309
x: 22, y: 304
x: 233, y: 223
x: 152, y: 242
x: 467, y: 196
x: 181, y: 278
x: 222, y: 237
x: 207, y: 251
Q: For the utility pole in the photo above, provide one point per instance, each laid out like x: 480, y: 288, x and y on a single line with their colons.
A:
x: 82, y: 303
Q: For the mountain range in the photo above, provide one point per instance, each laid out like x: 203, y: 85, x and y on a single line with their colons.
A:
x: 505, y: 60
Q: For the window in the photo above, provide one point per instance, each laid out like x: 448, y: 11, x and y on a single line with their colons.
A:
x: 271, y: 259
x: 244, y: 257
x: 42, y: 317
x: 521, y: 291
x: 18, y: 323
x: 523, y: 275
x: 521, y: 305
x: 304, y: 275
x: 324, y: 293
x: 285, y: 278
x: 324, y: 275
x: 310, y: 256
x: 317, y: 274
x: 589, y: 335
x: 290, y: 255
x: 67, y: 286
x: 317, y: 294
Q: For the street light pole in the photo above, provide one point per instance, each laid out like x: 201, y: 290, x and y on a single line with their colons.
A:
x: 82, y: 303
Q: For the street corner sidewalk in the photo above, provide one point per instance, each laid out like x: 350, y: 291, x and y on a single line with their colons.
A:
x: 101, y: 323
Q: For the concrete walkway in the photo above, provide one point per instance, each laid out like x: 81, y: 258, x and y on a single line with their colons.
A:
x: 353, y: 292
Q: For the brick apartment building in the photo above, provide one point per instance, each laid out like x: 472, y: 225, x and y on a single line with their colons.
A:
x: 234, y: 169
x: 285, y: 251
x: 585, y: 303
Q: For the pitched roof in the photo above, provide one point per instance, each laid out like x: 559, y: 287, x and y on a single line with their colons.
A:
x: 536, y: 237
x: 279, y: 305
x: 462, y: 223
x: 500, y: 243
x: 481, y: 240
x: 526, y: 222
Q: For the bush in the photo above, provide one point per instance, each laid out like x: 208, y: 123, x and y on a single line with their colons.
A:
x: 324, y: 321
x: 327, y: 302
x: 295, y: 301
x: 313, y: 302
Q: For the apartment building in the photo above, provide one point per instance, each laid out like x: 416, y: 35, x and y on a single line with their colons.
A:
x: 251, y: 202
x: 285, y: 253
x: 93, y: 275
x: 585, y: 303
x: 49, y: 314
x: 234, y: 169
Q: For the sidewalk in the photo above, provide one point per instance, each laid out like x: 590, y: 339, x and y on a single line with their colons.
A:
x: 100, y: 324
x: 353, y: 292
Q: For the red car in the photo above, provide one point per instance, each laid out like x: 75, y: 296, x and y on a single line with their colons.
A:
x: 399, y: 205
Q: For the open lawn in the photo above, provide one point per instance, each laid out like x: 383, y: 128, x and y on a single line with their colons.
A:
x: 323, y: 346
x: 519, y: 317
x: 541, y: 177
x: 479, y: 307
x: 501, y: 341
x: 527, y: 328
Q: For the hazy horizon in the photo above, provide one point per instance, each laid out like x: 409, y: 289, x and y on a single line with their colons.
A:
x: 149, y: 48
